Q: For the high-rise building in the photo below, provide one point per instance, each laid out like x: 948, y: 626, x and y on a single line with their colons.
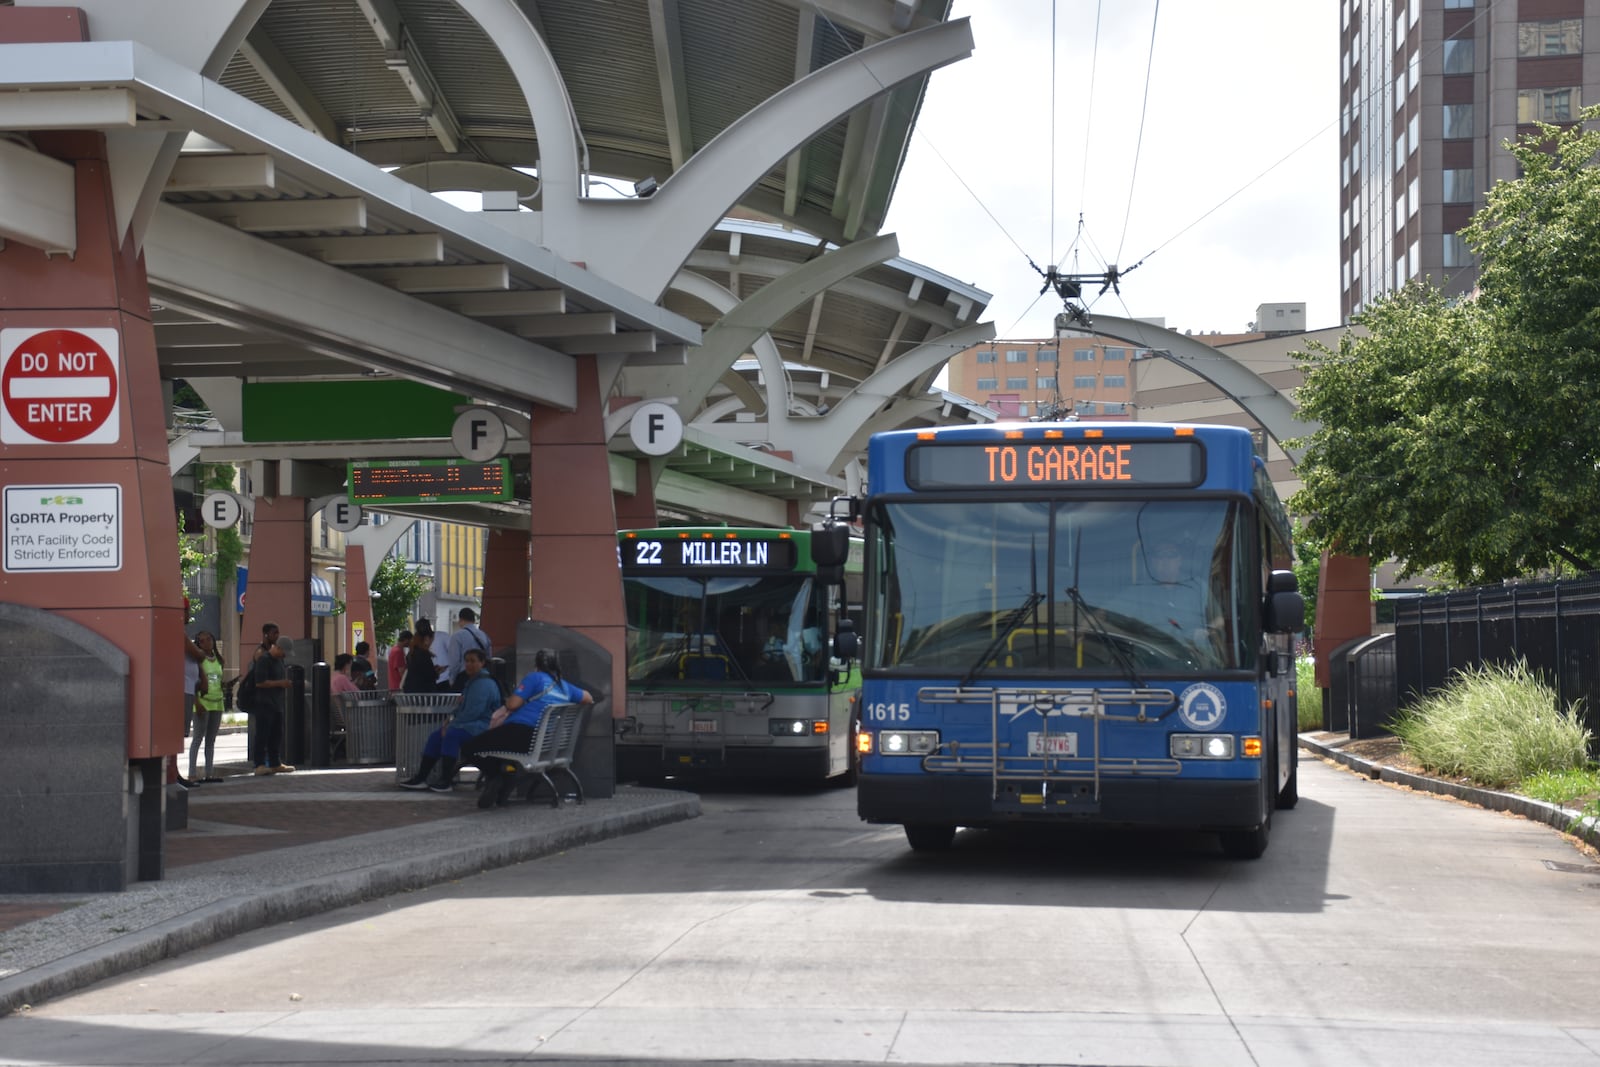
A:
x: 1430, y: 90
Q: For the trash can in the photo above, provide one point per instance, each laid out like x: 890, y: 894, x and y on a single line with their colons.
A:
x: 415, y: 716
x: 368, y: 726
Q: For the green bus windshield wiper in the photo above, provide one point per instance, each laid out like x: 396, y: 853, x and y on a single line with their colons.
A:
x: 1012, y: 622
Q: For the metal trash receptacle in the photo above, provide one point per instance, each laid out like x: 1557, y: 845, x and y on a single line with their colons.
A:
x: 368, y: 726
x: 416, y: 715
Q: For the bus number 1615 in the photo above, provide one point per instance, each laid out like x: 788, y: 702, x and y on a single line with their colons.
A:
x: 889, y: 712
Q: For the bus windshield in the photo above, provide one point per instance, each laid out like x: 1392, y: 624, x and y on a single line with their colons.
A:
x: 725, y: 631
x: 1052, y: 588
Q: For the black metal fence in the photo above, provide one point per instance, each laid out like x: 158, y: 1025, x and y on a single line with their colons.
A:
x: 1362, y: 690
x: 1554, y: 627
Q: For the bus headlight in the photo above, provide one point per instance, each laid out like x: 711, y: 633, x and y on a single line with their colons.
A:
x: 796, y: 727
x: 1201, y: 746
x: 908, y: 742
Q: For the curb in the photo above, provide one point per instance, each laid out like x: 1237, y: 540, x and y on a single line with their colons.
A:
x: 1583, y: 827
x: 313, y: 896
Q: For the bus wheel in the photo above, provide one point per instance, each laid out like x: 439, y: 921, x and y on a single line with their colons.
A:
x: 1245, y: 844
x: 930, y: 837
x: 1289, y: 795
x: 852, y: 770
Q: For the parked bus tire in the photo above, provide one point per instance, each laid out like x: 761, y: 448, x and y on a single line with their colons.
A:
x: 1246, y: 844
x: 852, y: 772
x: 1289, y: 795
x: 930, y: 837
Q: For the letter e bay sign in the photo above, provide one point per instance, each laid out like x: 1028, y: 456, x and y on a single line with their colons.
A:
x: 59, y: 386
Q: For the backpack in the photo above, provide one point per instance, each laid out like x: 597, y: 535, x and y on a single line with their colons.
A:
x: 244, y: 697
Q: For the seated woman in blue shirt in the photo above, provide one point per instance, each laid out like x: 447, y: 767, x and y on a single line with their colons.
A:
x: 512, y: 726
x: 480, y: 695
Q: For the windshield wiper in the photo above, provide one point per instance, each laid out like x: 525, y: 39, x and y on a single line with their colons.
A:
x: 1105, y: 636
x: 1012, y: 622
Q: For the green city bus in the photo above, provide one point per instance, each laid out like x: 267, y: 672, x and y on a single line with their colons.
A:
x: 730, y: 671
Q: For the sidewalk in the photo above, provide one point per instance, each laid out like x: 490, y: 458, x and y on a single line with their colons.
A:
x: 1331, y: 746
x: 263, y: 850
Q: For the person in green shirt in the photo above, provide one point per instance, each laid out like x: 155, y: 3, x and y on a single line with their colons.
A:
x: 208, y: 705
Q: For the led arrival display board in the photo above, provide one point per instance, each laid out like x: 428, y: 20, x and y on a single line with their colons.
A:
x: 707, y: 555
x: 1050, y: 464
x: 429, y: 481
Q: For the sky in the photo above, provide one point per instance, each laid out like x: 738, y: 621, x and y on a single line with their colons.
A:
x: 1228, y: 200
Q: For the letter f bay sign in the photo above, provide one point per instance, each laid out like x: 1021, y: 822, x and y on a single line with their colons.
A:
x: 59, y: 386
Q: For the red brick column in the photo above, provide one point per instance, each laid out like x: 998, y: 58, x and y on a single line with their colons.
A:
x: 505, y: 586
x: 280, y: 571
x: 1344, y: 607
x: 357, y: 607
x: 138, y: 606
x: 637, y: 511
x: 575, y: 577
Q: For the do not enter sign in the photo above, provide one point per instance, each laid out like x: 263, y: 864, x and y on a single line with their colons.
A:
x: 58, y: 387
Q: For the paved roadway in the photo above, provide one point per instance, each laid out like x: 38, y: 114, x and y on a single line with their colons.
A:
x: 1382, y: 927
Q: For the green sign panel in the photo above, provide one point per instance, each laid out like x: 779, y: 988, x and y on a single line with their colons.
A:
x: 380, y: 410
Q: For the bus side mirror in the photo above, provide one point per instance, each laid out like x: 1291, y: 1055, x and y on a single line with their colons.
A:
x: 1286, y: 608
x: 830, y: 545
x: 846, y: 643
x: 1282, y: 582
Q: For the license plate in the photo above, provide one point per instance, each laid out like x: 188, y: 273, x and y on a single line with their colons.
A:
x: 1052, y: 744
x: 703, y: 726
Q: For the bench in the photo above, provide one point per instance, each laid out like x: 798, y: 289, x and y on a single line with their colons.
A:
x: 554, y: 744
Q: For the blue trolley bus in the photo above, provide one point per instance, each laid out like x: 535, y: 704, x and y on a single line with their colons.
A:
x: 1076, y: 621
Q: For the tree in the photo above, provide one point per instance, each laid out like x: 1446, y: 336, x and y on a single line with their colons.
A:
x: 395, y: 590
x: 191, y: 557
x: 1462, y: 435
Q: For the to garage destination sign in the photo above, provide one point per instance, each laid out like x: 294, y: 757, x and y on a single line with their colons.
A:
x: 59, y: 386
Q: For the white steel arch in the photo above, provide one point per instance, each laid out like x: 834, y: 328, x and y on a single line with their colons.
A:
x: 1264, y: 403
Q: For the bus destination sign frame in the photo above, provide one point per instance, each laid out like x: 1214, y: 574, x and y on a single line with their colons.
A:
x: 679, y: 556
x: 429, y: 481
x: 1056, y: 464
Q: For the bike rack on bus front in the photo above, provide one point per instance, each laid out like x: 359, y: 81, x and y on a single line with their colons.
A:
x: 1057, y: 759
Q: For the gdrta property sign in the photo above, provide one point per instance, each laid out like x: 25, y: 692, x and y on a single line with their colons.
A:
x: 63, y: 528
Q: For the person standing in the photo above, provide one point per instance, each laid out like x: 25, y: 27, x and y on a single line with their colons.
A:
x: 191, y: 685
x: 272, y: 701
x: 422, y: 673
x: 467, y: 636
x: 397, y: 660
x: 208, y: 706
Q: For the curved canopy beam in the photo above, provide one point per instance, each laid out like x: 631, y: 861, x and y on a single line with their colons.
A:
x: 467, y: 175
x: 642, y: 244
x: 821, y: 443
x: 742, y: 326
x: 1274, y: 411
x: 554, y: 125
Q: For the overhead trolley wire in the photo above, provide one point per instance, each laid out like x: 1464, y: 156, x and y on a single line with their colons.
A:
x: 1138, y: 144
x: 1479, y: 12
x: 1088, y: 122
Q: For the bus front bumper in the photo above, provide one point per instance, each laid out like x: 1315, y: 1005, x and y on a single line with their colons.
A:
x: 636, y: 762
x: 971, y: 800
